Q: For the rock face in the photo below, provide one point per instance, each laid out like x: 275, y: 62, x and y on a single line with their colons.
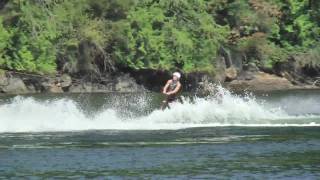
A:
x: 153, y: 80
x: 14, y: 83
x: 120, y: 83
x: 261, y: 82
x: 90, y: 88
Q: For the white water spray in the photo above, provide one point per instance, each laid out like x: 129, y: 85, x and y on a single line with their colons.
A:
x: 25, y: 114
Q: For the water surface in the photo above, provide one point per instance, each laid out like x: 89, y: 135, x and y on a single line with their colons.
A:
x: 273, y: 135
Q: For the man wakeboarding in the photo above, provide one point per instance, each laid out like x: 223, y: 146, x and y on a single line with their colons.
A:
x: 171, y: 90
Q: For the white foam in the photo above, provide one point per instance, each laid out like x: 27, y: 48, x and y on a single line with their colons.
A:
x: 25, y: 114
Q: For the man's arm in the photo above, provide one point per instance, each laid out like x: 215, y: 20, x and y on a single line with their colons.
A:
x: 176, y: 89
x: 166, y: 87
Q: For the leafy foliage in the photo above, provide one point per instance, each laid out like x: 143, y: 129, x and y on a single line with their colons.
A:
x: 169, y: 35
x: 4, y: 42
x: 45, y: 36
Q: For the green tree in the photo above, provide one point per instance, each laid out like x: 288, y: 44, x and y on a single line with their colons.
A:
x: 169, y: 35
x: 4, y: 43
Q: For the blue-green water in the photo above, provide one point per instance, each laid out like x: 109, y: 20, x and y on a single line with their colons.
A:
x: 220, y: 152
x: 268, y: 137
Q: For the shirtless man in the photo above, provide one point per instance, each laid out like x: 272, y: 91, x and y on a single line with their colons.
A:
x: 171, y: 89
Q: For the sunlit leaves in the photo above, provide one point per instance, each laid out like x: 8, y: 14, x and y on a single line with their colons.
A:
x: 171, y: 35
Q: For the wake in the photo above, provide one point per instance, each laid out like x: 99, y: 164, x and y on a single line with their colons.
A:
x: 26, y: 114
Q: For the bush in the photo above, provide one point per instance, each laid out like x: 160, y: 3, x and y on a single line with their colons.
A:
x: 260, y: 51
x: 36, y: 35
x: 169, y: 35
x: 4, y: 43
x: 310, y: 59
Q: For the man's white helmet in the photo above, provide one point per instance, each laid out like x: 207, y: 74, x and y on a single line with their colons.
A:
x: 177, y: 74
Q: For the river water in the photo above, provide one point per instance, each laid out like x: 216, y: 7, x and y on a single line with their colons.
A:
x: 274, y: 135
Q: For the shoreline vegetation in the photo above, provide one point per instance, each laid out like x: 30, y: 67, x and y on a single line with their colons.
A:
x: 57, y: 46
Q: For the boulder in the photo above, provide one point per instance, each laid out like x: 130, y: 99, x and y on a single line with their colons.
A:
x: 261, y: 82
x: 125, y: 83
x: 54, y: 88
x: 65, y: 81
x: 246, y: 75
x: 14, y: 85
x: 51, y: 85
x: 231, y: 73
